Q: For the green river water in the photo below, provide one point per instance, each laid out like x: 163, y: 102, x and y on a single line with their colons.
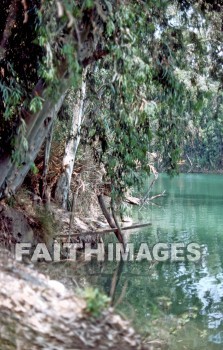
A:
x: 180, y: 302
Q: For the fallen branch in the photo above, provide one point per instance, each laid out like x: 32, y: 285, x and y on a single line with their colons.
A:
x: 104, y: 231
x: 146, y: 196
x: 157, y: 196
x: 116, y: 221
x: 132, y: 200
x: 110, y: 220
x: 191, y: 164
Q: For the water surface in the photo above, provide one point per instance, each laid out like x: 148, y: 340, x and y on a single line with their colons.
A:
x: 181, y: 302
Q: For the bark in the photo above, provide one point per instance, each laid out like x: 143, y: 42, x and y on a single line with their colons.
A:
x: 46, y: 161
x: 132, y: 200
x: 158, y: 196
x: 191, y: 164
x: 12, y: 176
x: 74, y: 202
x: 109, y: 219
x: 37, y: 313
x: 146, y: 196
x: 109, y: 230
x: 116, y: 220
x: 10, y: 23
x: 63, y: 184
x: 38, y: 125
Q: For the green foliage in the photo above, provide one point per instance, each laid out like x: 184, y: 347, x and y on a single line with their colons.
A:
x: 11, y: 92
x: 20, y: 147
x: 88, y: 4
x: 205, y: 141
x: 155, y: 84
x: 34, y: 169
x: 96, y: 301
x: 36, y: 104
x: 33, y: 57
x: 69, y: 51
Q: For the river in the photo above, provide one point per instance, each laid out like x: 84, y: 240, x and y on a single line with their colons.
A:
x: 180, y: 302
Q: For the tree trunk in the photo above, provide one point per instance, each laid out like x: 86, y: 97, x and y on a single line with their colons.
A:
x: 38, y: 126
x: 46, y: 161
x: 64, y: 181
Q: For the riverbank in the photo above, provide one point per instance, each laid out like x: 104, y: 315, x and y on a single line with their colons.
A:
x: 200, y: 171
x: 50, y: 307
x: 39, y: 313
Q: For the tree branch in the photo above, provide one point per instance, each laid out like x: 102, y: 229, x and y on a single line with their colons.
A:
x: 110, y: 219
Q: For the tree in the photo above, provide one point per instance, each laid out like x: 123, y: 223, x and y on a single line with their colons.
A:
x: 159, y: 79
x: 33, y: 89
x: 158, y: 56
x: 64, y: 181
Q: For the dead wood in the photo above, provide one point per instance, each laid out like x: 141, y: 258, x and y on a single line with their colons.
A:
x: 109, y: 230
x: 110, y: 220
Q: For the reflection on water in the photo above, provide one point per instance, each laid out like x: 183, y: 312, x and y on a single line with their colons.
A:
x: 172, y: 292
